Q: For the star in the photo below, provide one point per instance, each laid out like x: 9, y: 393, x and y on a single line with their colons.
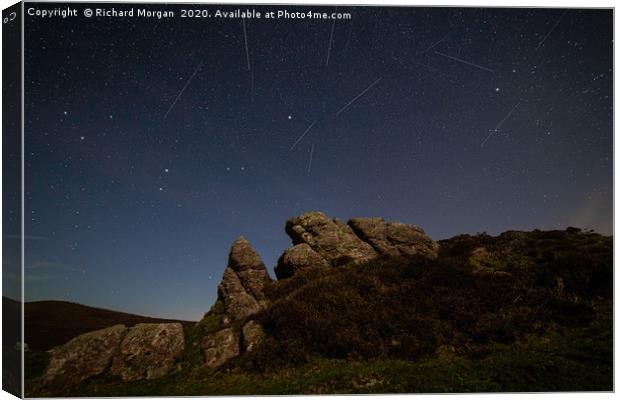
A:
x: 166, y: 170
x: 290, y: 117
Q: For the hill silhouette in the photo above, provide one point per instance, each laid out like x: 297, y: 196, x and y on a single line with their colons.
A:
x: 51, y: 323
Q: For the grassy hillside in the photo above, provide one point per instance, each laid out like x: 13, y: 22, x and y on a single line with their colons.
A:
x: 517, y: 312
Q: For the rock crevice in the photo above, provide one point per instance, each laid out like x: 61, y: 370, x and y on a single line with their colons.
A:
x: 245, y: 277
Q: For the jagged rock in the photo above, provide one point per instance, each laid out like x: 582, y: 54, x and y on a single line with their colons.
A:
x: 82, y: 357
x: 297, y: 258
x: 246, y: 262
x: 220, y: 347
x: 394, y: 238
x: 331, y: 239
x: 240, y: 294
x: 253, y: 335
x: 241, y: 289
x: 149, y: 351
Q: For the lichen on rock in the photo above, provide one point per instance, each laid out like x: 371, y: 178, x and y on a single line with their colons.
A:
x: 394, y: 238
x: 331, y: 239
x: 298, y: 258
x: 149, y: 351
x: 220, y: 347
x: 82, y: 357
x: 245, y: 277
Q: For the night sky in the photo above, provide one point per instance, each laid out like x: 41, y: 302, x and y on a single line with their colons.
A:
x: 152, y: 144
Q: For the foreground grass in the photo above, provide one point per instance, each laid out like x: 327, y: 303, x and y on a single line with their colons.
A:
x: 564, y: 359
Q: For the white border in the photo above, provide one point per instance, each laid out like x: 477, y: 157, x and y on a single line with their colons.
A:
x: 451, y: 3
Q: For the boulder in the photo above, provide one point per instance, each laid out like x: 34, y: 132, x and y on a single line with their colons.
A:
x: 82, y: 357
x: 253, y: 335
x: 394, y: 238
x: 220, y: 347
x: 149, y: 351
x: 298, y: 258
x: 241, y: 288
x: 331, y: 239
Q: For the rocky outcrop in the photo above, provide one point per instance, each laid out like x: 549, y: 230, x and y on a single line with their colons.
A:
x: 331, y: 239
x: 220, y: 347
x: 144, y: 351
x: 149, y: 351
x: 253, y: 335
x: 298, y: 258
x: 240, y: 295
x: 82, y: 357
x: 319, y: 243
x: 241, y: 289
x: 394, y: 238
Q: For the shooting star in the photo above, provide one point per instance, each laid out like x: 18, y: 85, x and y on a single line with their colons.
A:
x: 357, y: 97
x: 331, y: 39
x: 310, y: 161
x: 346, y: 45
x: 552, y: 29
x: 302, y: 135
x: 434, y: 45
x: 252, y: 86
x: 500, y: 124
x: 245, y: 40
x: 464, y: 61
x: 182, y: 90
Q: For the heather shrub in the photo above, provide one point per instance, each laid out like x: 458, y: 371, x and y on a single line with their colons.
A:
x: 408, y: 307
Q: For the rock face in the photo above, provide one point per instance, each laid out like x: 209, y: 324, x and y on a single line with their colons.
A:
x: 298, y: 258
x: 84, y: 356
x: 245, y: 277
x: 144, y: 351
x: 394, y: 238
x: 253, y: 335
x: 220, y: 347
x: 149, y: 351
x: 331, y: 239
